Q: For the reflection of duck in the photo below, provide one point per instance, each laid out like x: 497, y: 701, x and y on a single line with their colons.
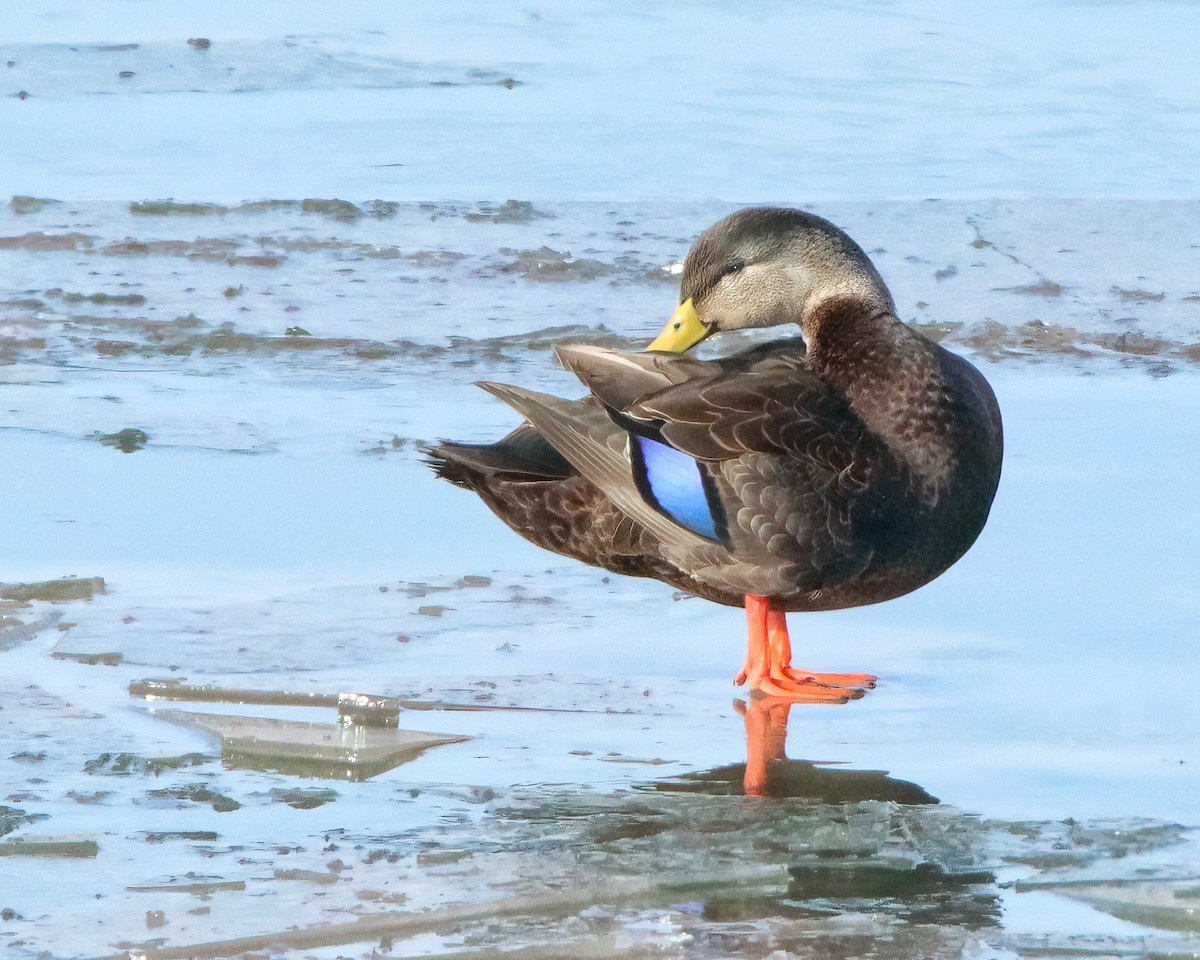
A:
x: 782, y: 479
x: 768, y: 772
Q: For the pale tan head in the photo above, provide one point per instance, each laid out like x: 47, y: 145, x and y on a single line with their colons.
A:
x: 766, y: 266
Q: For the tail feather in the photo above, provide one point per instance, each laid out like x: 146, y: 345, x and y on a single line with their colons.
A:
x: 523, y: 455
x: 598, y: 449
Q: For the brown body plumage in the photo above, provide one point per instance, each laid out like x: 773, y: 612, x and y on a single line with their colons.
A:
x: 841, y: 473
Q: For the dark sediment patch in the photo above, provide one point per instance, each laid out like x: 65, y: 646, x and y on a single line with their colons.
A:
x: 207, y: 249
x: 54, y: 591
x: 1137, y: 296
x: 99, y: 299
x: 23, y: 206
x: 13, y: 817
x: 546, y: 264
x: 131, y: 764
x: 266, y: 206
x: 197, y: 793
x: 12, y: 348
x: 1044, y: 288
x: 334, y: 209
x: 129, y: 440
x: 39, y: 242
x: 304, y: 798
x: 172, y: 208
x: 511, y: 211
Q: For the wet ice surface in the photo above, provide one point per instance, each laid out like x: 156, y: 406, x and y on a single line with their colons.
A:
x: 273, y: 529
x: 897, y: 99
x: 216, y: 404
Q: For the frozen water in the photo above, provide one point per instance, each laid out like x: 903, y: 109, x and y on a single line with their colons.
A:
x: 776, y: 102
x: 285, y: 358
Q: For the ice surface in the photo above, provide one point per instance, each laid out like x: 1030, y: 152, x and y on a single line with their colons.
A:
x: 773, y: 102
x: 375, y: 206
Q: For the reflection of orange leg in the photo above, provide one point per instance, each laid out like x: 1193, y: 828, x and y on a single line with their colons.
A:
x: 766, y: 720
x: 768, y: 666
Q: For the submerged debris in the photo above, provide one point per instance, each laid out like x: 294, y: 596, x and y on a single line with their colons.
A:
x: 304, y: 798
x: 129, y: 440
x: 198, y: 793
x: 333, y: 751
x: 511, y: 211
x: 13, y: 817
x: 130, y: 764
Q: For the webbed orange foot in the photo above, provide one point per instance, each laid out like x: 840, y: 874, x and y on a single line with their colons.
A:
x: 801, y: 691
x: 768, y: 668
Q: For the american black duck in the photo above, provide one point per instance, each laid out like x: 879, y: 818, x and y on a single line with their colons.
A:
x: 844, y: 467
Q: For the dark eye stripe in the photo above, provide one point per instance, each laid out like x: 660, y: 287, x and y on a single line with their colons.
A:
x: 699, y: 281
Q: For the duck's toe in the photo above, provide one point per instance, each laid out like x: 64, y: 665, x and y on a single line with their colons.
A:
x: 855, y: 681
x: 777, y: 684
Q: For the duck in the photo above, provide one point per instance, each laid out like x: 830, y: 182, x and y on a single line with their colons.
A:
x: 846, y: 464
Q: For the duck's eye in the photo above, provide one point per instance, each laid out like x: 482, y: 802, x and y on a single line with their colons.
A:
x: 736, y: 267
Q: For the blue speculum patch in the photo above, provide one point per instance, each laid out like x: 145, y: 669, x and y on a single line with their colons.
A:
x: 674, y: 483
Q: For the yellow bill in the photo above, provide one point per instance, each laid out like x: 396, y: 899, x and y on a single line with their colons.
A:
x: 683, y: 331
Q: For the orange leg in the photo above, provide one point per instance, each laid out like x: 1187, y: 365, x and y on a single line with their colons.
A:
x: 781, y: 647
x: 768, y: 668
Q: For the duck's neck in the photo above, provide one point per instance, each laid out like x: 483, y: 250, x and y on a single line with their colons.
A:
x: 848, y: 335
x: 890, y: 376
x: 840, y: 277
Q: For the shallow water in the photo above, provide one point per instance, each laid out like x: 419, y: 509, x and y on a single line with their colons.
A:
x: 216, y: 404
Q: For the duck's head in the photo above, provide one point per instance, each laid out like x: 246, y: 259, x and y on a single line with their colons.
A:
x: 766, y: 266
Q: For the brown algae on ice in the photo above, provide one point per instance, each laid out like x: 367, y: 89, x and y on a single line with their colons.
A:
x: 23, y: 206
x: 288, y: 246
x: 334, y: 209
x: 511, y: 211
x: 90, y: 659
x: 54, y: 591
x: 171, y: 208
x: 129, y: 440
x: 57, y: 847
